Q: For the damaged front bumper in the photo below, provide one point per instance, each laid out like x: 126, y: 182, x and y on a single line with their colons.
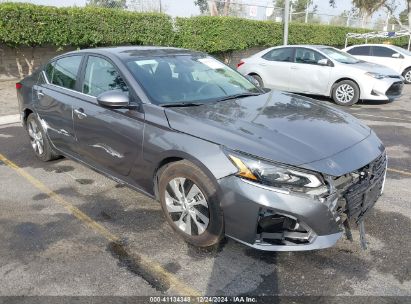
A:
x: 270, y: 219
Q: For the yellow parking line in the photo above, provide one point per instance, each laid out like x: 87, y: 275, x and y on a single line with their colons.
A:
x: 144, y: 262
x: 399, y: 171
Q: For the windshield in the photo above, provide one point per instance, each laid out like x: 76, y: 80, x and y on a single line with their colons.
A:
x: 401, y: 50
x: 339, y: 56
x: 188, y: 78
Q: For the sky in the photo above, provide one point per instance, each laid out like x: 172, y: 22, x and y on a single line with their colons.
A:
x: 185, y: 8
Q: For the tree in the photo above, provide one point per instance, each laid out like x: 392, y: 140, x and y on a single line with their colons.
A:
x: 214, y: 7
x: 108, y: 3
x: 299, y: 8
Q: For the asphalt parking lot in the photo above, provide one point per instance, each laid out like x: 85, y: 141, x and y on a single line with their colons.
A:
x: 67, y: 230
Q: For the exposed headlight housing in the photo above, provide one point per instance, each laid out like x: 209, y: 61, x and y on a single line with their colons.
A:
x: 375, y: 75
x: 278, y: 176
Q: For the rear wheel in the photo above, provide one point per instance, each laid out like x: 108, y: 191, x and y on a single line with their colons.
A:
x: 259, y: 80
x: 407, y: 75
x: 189, y: 202
x: 38, y: 139
x: 346, y: 93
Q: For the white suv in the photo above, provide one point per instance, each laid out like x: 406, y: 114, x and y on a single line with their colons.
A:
x: 391, y: 56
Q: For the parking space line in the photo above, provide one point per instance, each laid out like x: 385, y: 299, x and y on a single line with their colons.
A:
x: 144, y: 262
x: 377, y: 116
x: 399, y: 171
x: 9, y: 119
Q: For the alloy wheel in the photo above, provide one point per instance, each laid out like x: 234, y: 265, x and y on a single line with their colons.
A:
x: 187, y: 206
x: 407, y: 76
x: 36, y: 137
x: 345, y: 93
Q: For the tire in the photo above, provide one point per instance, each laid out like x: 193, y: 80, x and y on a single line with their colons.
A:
x: 38, y: 139
x: 346, y: 93
x: 407, y: 75
x: 259, y: 80
x: 180, y: 216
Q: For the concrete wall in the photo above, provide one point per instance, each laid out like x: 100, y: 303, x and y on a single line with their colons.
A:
x: 16, y: 63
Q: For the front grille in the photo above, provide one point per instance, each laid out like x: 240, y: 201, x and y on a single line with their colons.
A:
x: 395, y: 89
x: 363, y: 194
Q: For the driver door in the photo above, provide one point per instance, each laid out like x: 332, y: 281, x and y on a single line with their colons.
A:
x: 308, y: 76
x: 108, y: 139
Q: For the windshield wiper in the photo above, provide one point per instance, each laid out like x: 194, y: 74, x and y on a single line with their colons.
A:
x: 180, y: 104
x: 235, y: 96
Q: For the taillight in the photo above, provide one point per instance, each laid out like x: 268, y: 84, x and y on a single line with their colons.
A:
x: 240, y: 64
x: 18, y: 85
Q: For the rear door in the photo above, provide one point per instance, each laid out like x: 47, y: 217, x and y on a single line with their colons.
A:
x: 383, y: 55
x: 362, y: 52
x: 108, y: 139
x: 275, y: 67
x: 307, y: 75
x: 53, y: 99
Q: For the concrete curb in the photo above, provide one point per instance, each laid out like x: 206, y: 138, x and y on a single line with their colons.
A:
x: 9, y: 119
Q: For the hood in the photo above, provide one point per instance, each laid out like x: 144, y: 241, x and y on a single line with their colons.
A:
x: 373, y: 67
x: 276, y: 126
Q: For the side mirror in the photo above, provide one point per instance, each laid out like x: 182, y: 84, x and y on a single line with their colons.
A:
x: 323, y: 62
x: 397, y: 55
x: 113, y: 99
x: 252, y: 80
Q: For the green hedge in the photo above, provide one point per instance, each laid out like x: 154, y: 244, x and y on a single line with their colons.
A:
x: 27, y: 24
x: 32, y: 25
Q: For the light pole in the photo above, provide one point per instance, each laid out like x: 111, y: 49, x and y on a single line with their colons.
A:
x: 286, y: 21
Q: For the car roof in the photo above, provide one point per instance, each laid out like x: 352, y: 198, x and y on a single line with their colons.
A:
x: 125, y: 52
x: 312, y: 46
x: 370, y: 44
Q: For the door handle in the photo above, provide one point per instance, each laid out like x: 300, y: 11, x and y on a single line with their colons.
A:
x: 80, y: 113
x: 40, y: 94
x: 263, y: 64
x: 294, y: 68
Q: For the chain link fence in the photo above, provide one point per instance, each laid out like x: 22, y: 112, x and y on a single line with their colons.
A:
x: 258, y: 10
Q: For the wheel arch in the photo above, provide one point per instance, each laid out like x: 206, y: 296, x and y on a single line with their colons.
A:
x: 407, y: 68
x: 25, y: 114
x: 175, y: 156
x: 342, y: 79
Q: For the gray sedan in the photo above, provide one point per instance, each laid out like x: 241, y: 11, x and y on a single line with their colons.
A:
x: 272, y: 170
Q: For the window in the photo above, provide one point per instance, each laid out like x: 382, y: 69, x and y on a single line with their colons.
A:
x: 187, y: 78
x: 307, y: 56
x: 65, y: 71
x: 381, y: 51
x: 283, y: 54
x: 360, y: 51
x: 101, y: 76
x: 49, y: 70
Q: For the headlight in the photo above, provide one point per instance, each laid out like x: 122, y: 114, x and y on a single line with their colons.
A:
x: 278, y: 176
x: 375, y: 75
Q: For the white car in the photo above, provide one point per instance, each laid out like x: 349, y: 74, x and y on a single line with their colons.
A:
x: 390, y: 56
x: 322, y: 70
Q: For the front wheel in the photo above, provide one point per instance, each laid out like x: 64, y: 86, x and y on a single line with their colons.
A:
x: 190, y: 204
x: 346, y: 93
x: 407, y: 75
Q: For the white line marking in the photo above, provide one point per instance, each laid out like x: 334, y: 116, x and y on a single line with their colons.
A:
x: 9, y: 119
x: 376, y: 116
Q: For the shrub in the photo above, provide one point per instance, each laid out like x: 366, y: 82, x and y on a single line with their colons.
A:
x: 33, y: 25
x: 27, y: 24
